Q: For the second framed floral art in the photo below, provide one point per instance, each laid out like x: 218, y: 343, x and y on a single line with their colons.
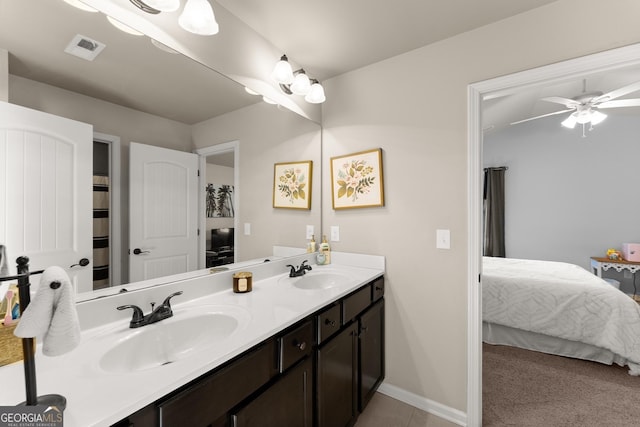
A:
x: 292, y: 185
x: 357, y: 180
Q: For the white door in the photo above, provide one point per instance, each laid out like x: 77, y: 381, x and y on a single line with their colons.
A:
x: 163, y: 209
x: 46, y: 191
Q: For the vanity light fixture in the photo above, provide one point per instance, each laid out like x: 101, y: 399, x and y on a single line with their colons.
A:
x: 197, y: 17
x: 297, y: 82
x: 122, y: 27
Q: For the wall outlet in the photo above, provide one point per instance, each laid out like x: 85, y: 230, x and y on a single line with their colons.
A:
x: 443, y: 239
x: 247, y: 228
x: 335, y: 233
x: 310, y: 232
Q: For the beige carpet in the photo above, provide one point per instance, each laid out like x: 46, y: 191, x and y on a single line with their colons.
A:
x: 525, y: 388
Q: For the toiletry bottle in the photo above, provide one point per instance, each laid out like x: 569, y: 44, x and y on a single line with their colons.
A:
x: 325, y: 250
x: 311, y: 246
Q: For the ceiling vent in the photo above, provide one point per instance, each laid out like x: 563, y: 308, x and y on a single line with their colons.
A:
x: 84, y: 47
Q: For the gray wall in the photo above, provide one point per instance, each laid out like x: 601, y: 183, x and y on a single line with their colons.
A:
x: 567, y: 197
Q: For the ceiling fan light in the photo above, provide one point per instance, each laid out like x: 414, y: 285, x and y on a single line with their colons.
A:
x: 198, y: 18
x: 163, y: 5
x: 301, y: 84
x: 597, y: 117
x: 282, y: 72
x: 570, y: 122
x: 316, y: 94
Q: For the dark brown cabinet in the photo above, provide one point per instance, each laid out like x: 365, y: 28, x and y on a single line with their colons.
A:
x: 337, y: 379
x: 371, y: 353
x: 288, y: 402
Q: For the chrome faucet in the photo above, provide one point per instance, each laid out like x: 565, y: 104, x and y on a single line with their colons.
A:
x: 301, y: 270
x: 163, y: 311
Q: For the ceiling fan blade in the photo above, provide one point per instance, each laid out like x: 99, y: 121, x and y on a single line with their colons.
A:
x: 618, y: 92
x: 620, y: 103
x: 560, y: 100
x: 544, y: 115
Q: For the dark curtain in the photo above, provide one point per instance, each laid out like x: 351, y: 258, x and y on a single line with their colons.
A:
x: 493, y: 208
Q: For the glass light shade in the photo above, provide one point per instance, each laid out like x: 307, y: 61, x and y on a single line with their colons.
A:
x: 316, y: 94
x: 198, y: 18
x: 80, y: 5
x: 269, y: 100
x: 163, y: 5
x: 122, y: 27
x: 570, y: 122
x: 301, y: 84
x: 583, y: 117
x: 250, y: 91
x: 282, y: 72
x: 597, y: 117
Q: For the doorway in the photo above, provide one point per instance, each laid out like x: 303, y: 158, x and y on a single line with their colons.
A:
x: 219, y: 210
x: 477, y: 92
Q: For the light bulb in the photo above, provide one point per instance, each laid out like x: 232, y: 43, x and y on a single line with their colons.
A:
x: 198, y: 18
x: 163, y: 5
x: 301, y: 84
x: 122, y: 27
x: 282, y: 72
x: 316, y: 94
x: 597, y: 117
x: 570, y: 122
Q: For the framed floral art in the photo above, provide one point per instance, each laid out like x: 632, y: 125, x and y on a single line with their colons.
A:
x: 292, y: 185
x: 356, y: 180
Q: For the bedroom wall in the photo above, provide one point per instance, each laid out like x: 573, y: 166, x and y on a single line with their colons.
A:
x: 568, y: 197
x: 418, y: 115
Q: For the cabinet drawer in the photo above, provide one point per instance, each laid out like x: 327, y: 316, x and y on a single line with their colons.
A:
x: 209, y: 399
x: 378, y: 288
x: 355, y: 303
x: 328, y: 322
x: 296, y: 344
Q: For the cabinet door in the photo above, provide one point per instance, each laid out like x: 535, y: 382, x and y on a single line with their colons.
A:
x: 336, y: 376
x: 371, y: 352
x: 287, y: 403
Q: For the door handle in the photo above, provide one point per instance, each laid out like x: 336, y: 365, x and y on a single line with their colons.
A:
x: 82, y: 263
x: 138, y: 251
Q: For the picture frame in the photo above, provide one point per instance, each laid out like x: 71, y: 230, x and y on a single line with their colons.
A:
x: 292, y: 185
x: 357, y: 180
x: 219, y: 201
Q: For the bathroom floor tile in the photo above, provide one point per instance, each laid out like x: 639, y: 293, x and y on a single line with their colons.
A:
x: 384, y: 411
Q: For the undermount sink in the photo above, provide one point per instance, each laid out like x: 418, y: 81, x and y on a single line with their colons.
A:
x: 172, y: 339
x: 320, y: 280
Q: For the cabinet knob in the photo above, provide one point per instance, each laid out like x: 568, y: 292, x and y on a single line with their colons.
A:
x: 301, y: 345
x: 331, y: 323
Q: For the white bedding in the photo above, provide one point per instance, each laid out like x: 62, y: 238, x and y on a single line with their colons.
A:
x: 561, y: 300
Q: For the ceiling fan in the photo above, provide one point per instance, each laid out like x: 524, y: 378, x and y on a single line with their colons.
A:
x: 585, y: 108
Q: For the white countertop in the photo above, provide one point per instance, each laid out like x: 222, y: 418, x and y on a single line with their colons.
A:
x: 99, y: 398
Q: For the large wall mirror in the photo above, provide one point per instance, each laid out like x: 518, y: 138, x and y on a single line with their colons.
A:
x: 139, y: 91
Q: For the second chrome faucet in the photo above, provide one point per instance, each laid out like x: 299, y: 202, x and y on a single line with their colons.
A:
x: 163, y: 311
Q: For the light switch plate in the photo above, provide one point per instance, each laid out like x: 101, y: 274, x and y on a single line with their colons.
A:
x: 335, y: 233
x: 443, y: 239
x: 310, y: 232
x: 247, y: 228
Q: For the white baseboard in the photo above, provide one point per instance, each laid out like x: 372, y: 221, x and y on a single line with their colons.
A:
x: 450, y: 414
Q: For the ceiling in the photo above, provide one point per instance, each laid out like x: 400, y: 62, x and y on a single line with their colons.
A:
x: 327, y: 38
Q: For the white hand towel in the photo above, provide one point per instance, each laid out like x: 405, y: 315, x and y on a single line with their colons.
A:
x: 52, y: 315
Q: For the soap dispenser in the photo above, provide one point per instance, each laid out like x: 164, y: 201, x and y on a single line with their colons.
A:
x: 311, y: 246
x: 324, y: 254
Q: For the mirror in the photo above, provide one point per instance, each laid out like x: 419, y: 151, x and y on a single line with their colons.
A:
x: 158, y: 105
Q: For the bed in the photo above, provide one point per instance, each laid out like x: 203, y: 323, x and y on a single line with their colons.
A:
x: 559, y: 308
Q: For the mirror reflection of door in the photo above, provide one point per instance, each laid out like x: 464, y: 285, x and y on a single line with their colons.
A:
x: 163, y: 212
x: 45, y: 186
x: 220, y: 209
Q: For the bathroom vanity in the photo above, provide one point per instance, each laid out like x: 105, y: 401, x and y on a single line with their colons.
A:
x: 303, y: 351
